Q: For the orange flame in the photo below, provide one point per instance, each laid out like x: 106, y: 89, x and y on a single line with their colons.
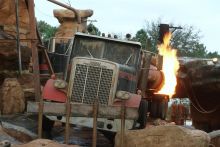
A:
x: 170, y: 66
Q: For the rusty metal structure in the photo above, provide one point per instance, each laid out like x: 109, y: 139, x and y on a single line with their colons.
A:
x: 104, y: 75
x: 198, y: 79
x: 122, y: 112
x: 96, y: 62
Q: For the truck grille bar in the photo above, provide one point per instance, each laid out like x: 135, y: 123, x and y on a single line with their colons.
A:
x: 91, y: 82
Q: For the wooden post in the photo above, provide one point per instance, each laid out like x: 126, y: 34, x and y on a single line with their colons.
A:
x: 122, y: 122
x: 67, y: 127
x: 33, y: 37
x: 95, y: 115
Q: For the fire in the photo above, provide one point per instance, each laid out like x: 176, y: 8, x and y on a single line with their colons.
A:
x: 170, y: 66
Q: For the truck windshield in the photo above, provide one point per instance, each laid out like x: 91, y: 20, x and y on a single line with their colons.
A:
x: 119, y: 52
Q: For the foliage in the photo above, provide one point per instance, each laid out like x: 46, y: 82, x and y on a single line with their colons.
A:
x: 141, y: 36
x: 47, y: 31
x: 186, y: 40
x: 213, y: 55
x: 92, y: 29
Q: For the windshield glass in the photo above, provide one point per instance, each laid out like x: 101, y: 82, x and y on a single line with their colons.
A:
x: 119, y: 52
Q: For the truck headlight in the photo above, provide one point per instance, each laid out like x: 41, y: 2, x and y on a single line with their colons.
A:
x: 123, y: 95
x: 215, y: 60
x: 60, y: 84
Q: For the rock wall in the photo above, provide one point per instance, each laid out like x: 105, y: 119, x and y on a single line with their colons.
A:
x: 8, y: 49
x: 68, y: 22
x: 8, y: 19
x: 9, y: 56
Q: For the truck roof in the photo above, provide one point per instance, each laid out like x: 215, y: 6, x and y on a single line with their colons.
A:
x: 107, y: 38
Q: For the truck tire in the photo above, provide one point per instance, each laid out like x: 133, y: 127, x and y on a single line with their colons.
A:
x: 109, y: 135
x: 143, y: 109
x: 47, y: 126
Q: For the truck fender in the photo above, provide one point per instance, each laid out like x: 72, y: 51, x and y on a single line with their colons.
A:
x: 53, y: 94
x: 133, y: 101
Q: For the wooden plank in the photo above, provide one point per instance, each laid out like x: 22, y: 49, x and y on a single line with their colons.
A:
x: 82, y: 110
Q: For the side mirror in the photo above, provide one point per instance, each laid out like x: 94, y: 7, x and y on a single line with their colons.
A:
x: 51, y: 45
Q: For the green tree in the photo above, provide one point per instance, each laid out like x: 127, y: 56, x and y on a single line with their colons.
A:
x: 152, y: 31
x: 186, y: 40
x: 213, y: 55
x: 47, y: 31
x: 92, y: 29
x: 141, y: 36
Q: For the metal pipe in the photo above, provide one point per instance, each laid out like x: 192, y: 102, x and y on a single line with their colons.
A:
x: 18, y: 37
x: 95, y: 113
x: 44, y: 51
x: 33, y: 37
x: 68, y: 7
x: 47, y: 59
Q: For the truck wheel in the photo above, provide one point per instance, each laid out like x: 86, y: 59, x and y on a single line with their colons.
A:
x: 142, y: 119
x: 109, y: 135
x: 47, y: 127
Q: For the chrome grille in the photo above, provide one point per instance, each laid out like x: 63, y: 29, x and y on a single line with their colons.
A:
x: 91, y: 82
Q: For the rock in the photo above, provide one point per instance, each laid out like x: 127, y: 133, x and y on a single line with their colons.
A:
x: 69, y: 25
x: 215, y: 138
x: 8, y: 19
x: 8, y: 49
x: 27, y: 84
x: 5, y: 138
x: 9, y: 56
x: 44, y: 143
x: 12, y: 97
x: 5, y: 143
x: 159, y: 121
x: 199, y: 80
x: 164, y: 136
x: 17, y: 133
x: 64, y: 15
x: 25, y: 80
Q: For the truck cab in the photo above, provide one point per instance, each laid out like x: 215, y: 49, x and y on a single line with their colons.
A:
x: 102, y: 69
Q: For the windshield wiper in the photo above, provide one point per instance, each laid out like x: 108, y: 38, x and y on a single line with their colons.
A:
x: 129, y: 58
x: 89, y: 52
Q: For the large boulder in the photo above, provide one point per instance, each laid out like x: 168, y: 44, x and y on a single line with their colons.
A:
x: 12, y: 97
x: 164, y: 136
x: 215, y: 138
x: 68, y: 22
x: 44, y: 143
x: 6, y: 138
